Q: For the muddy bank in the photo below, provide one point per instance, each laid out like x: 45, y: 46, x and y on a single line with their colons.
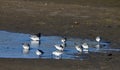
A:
x: 104, y: 62
x: 64, y: 19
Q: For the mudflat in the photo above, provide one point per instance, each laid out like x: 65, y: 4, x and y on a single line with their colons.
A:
x: 70, y: 18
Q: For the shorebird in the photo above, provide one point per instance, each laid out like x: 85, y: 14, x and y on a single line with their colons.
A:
x: 85, y: 46
x: 98, y: 42
x: 98, y: 39
x: 57, y: 54
x: 39, y: 52
x: 79, y: 48
x: 35, y: 37
x: 63, y: 40
x: 26, y: 46
x: 59, y: 47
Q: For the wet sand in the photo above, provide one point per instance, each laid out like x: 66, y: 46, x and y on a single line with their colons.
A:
x: 71, y: 19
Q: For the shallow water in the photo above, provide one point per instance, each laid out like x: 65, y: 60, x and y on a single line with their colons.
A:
x: 11, y: 47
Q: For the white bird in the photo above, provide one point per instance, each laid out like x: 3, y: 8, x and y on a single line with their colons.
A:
x: 98, y: 42
x: 85, y: 46
x: 57, y: 54
x: 39, y: 52
x: 35, y: 37
x: 98, y: 39
x: 59, y: 47
x: 78, y: 48
x: 26, y: 46
x: 63, y: 40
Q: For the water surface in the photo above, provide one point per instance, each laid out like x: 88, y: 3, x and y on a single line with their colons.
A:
x: 11, y: 47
